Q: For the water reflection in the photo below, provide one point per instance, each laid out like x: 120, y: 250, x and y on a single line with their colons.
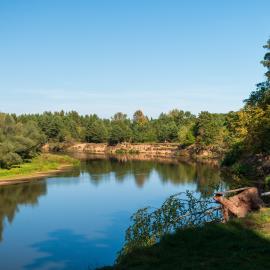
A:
x: 206, y: 177
x: 14, y: 195
x: 65, y: 249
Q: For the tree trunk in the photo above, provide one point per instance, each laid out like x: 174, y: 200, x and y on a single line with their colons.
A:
x: 239, y: 205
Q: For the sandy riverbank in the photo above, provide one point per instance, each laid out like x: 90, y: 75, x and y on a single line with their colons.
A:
x: 143, y: 151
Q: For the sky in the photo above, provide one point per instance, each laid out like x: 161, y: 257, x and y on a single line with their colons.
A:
x: 106, y: 56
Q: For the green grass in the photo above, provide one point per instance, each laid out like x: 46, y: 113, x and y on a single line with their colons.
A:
x: 242, y: 244
x: 41, y: 164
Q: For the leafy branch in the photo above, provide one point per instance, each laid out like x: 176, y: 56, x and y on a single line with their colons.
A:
x: 178, y: 211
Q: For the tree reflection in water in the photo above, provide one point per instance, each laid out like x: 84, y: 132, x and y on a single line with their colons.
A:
x: 206, y: 177
x: 14, y: 195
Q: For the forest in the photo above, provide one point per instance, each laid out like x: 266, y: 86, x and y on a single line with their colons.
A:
x: 238, y: 134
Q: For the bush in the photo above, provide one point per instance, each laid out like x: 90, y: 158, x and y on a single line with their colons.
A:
x: 233, y: 155
x: 10, y: 159
x: 18, y: 141
x: 242, y: 169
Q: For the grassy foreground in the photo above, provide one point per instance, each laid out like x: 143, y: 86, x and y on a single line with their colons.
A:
x: 239, y: 244
x: 43, y: 163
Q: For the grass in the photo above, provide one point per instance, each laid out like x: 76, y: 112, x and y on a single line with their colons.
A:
x: 242, y: 244
x: 41, y: 164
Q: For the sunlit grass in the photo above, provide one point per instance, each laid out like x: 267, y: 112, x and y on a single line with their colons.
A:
x: 41, y: 164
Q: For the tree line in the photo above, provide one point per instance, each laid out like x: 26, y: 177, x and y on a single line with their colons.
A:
x: 22, y: 135
x: 244, y: 131
x: 176, y: 126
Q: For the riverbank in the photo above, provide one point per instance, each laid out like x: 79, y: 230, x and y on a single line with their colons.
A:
x: 240, y: 243
x: 145, y: 150
x: 41, y: 166
x: 256, y: 168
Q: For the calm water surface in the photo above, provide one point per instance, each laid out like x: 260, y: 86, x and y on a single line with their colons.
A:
x: 77, y: 220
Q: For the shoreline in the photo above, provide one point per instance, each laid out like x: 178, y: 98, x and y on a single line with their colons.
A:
x: 141, y: 151
x: 13, y: 180
x: 40, y: 167
x: 140, y: 157
x: 160, y: 152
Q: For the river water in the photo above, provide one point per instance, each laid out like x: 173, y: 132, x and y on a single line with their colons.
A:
x: 77, y: 219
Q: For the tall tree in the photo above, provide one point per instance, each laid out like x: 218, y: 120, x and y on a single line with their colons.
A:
x: 120, y: 132
x: 96, y: 132
x: 139, y: 118
x: 210, y: 129
x: 261, y: 96
x: 18, y: 141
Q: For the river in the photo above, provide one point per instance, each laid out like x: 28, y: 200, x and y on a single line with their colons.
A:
x: 77, y: 219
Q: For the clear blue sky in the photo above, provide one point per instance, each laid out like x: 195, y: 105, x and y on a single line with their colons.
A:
x: 104, y: 56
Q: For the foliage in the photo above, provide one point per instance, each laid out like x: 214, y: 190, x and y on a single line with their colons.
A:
x: 257, y: 139
x: 18, y: 141
x: 167, y: 131
x: 186, y: 135
x: 261, y: 97
x: 96, y: 132
x: 142, y: 129
x: 175, y: 126
x: 210, y: 129
x: 168, y: 125
x: 176, y: 212
x: 233, y: 155
x: 120, y: 132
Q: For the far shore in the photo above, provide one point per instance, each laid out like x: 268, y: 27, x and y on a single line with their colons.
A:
x: 48, y: 164
x: 140, y: 151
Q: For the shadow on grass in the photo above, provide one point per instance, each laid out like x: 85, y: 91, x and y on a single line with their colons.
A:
x: 214, y: 246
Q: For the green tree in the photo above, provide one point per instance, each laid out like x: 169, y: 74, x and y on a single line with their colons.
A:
x: 210, y: 129
x: 119, y: 117
x: 261, y: 96
x: 120, y: 132
x: 166, y: 128
x: 96, y: 132
x: 18, y: 141
x: 142, y: 129
x: 182, y: 118
x: 52, y: 126
x: 258, y: 131
x: 139, y: 118
x: 186, y: 135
